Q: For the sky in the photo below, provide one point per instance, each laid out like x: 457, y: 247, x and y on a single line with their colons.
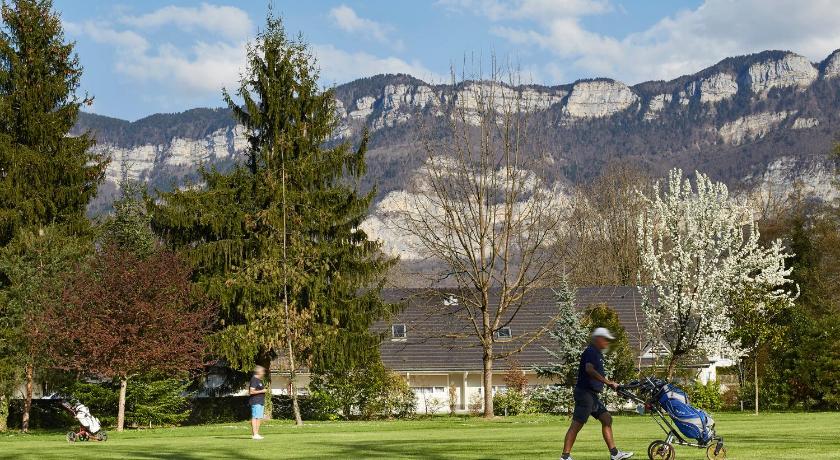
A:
x: 151, y: 56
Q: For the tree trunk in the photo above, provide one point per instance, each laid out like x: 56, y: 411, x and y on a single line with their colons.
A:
x: 27, y: 399
x: 293, y: 386
x: 121, y: 404
x: 672, y: 366
x: 268, y: 406
x: 4, y: 413
x: 755, y: 374
x: 488, y: 382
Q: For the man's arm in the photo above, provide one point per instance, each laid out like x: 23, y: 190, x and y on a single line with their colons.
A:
x: 253, y: 391
x: 590, y: 370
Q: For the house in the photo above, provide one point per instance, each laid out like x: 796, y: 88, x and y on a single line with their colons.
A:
x: 430, y: 343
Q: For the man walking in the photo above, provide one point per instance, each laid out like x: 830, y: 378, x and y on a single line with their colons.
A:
x: 590, y: 382
x: 256, y: 390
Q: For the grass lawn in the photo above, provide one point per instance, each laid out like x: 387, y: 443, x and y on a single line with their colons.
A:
x: 793, y: 436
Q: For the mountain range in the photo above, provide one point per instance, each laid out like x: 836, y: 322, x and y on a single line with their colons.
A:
x: 761, y: 120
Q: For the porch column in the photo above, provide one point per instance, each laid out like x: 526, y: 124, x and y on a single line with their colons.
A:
x: 464, y: 391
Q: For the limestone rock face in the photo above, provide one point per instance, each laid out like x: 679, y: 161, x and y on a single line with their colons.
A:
x: 716, y: 88
x: 751, y: 127
x: 790, y: 70
x: 599, y: 98
x: 831, y: 66
x: 398, y: 101
x: 364, y: 107
x: 657, y: 104
x: 180, y: 154
x: 805, y: 123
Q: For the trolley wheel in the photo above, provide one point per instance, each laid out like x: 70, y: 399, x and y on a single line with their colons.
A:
x: 716, y: 452
x: 71, y: 436
x: 661, y: 450
x: 101, y: 436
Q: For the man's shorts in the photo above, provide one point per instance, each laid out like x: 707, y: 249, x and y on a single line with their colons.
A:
x: 587, y: 403
x: 257, y: 411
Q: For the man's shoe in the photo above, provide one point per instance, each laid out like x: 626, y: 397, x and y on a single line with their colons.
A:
x: 256, y: 436
x: 570, y: 458
x: 621, y: 455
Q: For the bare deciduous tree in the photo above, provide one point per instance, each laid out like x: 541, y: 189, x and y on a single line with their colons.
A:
x: 599, y: 241
x: 481, y: 210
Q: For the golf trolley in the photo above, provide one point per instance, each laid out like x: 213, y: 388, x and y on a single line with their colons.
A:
x: 89, y: 427
x: 683, y: 424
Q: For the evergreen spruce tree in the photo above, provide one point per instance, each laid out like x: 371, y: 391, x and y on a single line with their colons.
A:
x: 570, y: 336
x: 46, y: 176
x: 277, y: 240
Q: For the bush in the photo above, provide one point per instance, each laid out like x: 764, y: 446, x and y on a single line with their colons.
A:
x: 225, y: 409
x: 555, y: 399
x: 509, y: 403
x: 45, y: 414
x: 366, y: 392
x: 150, y: 400
x: 706, y: 397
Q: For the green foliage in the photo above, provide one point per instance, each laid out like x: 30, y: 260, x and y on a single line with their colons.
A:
x: 367, y: 392
x: 48, y: 177
x: 570, y: 337
x: 618, y: 359
x: 510, y: 403
x: 707, y: 397
x: 801, y: 363
x: 32, y: 267
x: 129, y: 228
x: 284, y: 226
x: 151, y: 400
x: 554, y: 399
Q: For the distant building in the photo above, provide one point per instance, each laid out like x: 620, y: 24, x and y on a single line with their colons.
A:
x: 431, y: 342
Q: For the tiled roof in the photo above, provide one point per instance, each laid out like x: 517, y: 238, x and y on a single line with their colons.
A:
x: 441, y: 338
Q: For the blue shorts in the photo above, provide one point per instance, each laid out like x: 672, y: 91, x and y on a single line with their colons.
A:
x: 257, y: 411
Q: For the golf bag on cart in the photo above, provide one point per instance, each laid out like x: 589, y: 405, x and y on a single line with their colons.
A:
x: 89, y: 426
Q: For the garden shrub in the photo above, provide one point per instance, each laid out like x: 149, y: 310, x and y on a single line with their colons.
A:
x: 365, y: 392
x: 150, y: 400
x: 554, y: 399
x: 706, y: 397
x: 225, y: 409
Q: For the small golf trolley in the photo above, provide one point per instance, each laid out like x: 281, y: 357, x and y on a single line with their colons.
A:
x: 683, y: 424
x: 89, y: 427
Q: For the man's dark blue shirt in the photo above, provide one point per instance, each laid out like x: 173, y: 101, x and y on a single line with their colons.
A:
x: 596, y: 358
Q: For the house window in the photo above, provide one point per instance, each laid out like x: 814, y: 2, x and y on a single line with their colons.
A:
x: 398, y: 332
x: 504, y: 333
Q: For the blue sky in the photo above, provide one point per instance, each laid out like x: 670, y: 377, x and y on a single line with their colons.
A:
x: 144, y: 57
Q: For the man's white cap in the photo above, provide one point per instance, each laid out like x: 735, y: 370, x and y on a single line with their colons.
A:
x: 602, y: 332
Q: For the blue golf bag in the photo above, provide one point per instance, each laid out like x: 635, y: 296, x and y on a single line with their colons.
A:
x: 692, y: 422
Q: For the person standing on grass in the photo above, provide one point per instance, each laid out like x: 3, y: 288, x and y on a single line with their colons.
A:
x: 590, y: 382
x: 256, y: 392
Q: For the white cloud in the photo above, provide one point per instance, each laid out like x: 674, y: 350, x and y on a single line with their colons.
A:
x: 339, y: 66
x: 498, y: 10
x: 229, y: 21
x: 347, y: 20
x: 678, y: 44
x: 198, y: 68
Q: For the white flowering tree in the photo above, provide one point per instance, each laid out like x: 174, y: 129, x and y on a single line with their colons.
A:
x: 699, y: 247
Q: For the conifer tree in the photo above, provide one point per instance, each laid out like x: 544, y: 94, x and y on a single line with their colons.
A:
x: 46, y: 176
x: 570, y: 336
x: 277, y: 240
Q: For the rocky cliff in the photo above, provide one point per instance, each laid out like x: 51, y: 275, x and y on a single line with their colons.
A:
x: 748, y: 120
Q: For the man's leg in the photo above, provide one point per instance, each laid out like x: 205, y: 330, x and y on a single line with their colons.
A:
x: 255, y: 426
x: 571, y: 436
x: 606, y: 429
